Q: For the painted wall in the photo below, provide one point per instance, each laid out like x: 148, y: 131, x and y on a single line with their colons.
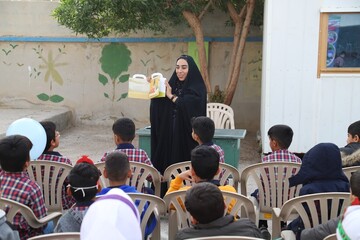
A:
x: 317, y: 109
x: 45, y: 63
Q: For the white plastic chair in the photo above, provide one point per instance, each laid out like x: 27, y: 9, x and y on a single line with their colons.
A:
x: 349, y: 170
x: 221, y: 114
x: 155, y: 205
x: 58, y: 236
x: 140, y: 174
x: 180, y: 218
x: 313, y: 209
x: 50, y: 176
x: 228, y: 174
x: 12, y: 207
x: 271, y: 180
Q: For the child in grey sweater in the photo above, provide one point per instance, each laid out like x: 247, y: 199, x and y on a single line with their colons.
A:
x: 83, y: 186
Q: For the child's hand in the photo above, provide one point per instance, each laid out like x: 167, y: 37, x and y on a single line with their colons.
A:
x: 186, y: 175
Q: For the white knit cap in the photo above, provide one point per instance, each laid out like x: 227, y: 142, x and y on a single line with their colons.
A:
x: 350, y: 224
x: 111, y: 218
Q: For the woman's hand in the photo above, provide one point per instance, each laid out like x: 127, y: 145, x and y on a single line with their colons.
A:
x: 168, y: 90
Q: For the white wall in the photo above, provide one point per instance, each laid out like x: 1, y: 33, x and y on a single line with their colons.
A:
x: 317, y: 109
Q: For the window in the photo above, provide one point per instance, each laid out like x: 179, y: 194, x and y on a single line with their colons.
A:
x: 339, y: 44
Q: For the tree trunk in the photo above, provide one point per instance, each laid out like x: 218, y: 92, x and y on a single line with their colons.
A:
x: 230, y: 90
x: 238, y: 20
x: 195, y: 24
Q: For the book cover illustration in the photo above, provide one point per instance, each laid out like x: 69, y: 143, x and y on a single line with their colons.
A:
x: 141, y: 88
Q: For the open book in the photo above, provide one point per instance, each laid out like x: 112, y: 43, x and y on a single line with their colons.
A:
x: 139, y: 87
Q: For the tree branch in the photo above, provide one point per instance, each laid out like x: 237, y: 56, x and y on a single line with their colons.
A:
x: 205, y: 10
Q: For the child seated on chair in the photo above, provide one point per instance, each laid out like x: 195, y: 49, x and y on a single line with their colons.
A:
x: 204, y: 167
x: 323, y: 230
x: 117, y: 170
x: 16, y: 185
x: 203, y: 129
x: 320, y: 172
x: 52, y: 142
x: 280, y: 138
x: 205, y: 203
x: 350, y: 154
x: 349, y: 224
x: 83, y: 186
x: 124, y: 134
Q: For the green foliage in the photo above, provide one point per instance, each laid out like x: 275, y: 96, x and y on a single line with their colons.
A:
x: 54, y: 98
x: 103, y: 79
x: 124, y: 78
x: 115, y: 59
x: 43, y: 97
x: 124, y: 95
x: 98, y: 18
x: 217, y: 96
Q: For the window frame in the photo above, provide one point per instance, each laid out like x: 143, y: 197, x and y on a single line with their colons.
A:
x: 323, y: 44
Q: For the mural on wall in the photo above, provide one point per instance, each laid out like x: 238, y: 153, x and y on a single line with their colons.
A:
x: 7, y: 51
x: 115, y: 59
x: 52, y: 75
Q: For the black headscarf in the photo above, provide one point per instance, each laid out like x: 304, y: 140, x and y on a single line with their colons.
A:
x: 171, y: 140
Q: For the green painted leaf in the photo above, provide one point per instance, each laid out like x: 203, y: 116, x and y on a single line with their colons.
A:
x: 106, y: 95
x: 124, y: 95
x: 43, y: 97
x: 103, y: 79
x: 124, y: 78
x: 56, y: 98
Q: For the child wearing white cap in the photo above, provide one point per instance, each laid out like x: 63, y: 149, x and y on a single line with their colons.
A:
x: 112, y: 216
x: 348, y: 227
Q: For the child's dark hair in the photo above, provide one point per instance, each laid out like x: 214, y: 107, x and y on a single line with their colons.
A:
x: 355, y: 183
x: 50, y: 129
x: 205, y: 162
x: 354, y: 129
x: 283, y: 134
x: 83, y: 179
x: 204, y: 127
x: 124, y: 128
x: 205, y: 202
x: 117, y: 166
x: 14, y: 153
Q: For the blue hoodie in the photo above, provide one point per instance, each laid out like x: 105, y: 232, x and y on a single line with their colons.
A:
x: 150, y: 226
x: 321, y: 171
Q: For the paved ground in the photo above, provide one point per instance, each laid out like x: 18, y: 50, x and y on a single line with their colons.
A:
x: 93, y: 139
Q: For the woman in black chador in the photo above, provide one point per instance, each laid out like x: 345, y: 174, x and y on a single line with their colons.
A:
x: 170, y: 117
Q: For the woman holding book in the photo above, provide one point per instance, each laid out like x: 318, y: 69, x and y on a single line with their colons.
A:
x: 170, y: 117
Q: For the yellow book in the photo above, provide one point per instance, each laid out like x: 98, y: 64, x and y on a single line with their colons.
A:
x: 141, y: 88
